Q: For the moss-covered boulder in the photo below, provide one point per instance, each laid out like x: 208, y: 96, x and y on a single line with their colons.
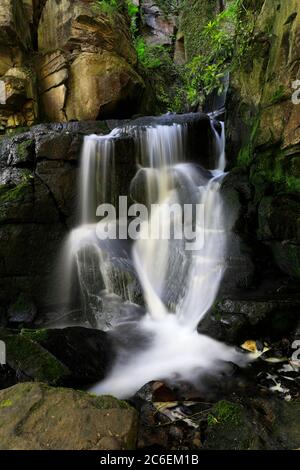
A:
x: 30, y: 361
x: 71, y: 356
x: 38, y: 417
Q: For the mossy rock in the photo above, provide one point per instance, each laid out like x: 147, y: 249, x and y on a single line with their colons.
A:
x: 71, y: 356
x: 31, y: 361
x: 39, y: 417
x: 24, y: 152
x: 16, y: 203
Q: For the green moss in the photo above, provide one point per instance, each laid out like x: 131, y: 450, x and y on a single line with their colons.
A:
x: 6, y: 404
x: 16, y: 131
x: 31, y: 359
x: 195, y: 15
x: 23, y: 149
x: 246, y: 153
x: 108, y: 402
x: 225, y: 412
x: 273, y: 167
x: 216, y: 44
x: 15, y: 194
x: 12, y: 199
x: 35, y: 335
x: 19, y: 192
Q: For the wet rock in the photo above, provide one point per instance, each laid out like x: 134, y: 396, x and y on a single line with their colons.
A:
x: 144, y: 186
x: 62, y: 419
x: 240, y: 268
x: 156, y: 392
x: 87, y: 353
x: 236, y: 320
x: 71, y: 356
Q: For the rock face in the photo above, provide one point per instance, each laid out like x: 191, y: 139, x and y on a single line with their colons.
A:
x: 99, y: 84
x: 62, y: 61
x: 263, y: 105
x: 37, y: 417
x: 159, y: 26
x: 18, y: 100
x: 39, y: 198
x: 90, y: 73
x: 38, y: 202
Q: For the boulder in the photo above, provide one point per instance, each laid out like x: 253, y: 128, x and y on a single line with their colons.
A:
x: 37, y: 417
x: 72, y: 356
x: 30, y: 361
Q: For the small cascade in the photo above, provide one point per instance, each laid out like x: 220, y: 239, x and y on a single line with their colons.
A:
x: 97, y: 175
x: 169, y: 273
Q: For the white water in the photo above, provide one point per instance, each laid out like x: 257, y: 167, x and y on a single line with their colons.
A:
x: 179, y: 285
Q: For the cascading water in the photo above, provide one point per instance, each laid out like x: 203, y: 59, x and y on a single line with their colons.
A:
x: 178, y: 260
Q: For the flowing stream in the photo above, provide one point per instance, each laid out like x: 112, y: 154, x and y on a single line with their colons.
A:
x: 174, y: 264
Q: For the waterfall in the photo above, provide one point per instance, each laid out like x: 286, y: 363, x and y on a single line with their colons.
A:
x: 177, y: 259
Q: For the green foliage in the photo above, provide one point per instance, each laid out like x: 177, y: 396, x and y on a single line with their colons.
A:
x: 224, y: 412
x: 223, y: 44
x: 35, y: 335
x: 109, y: 7
x: 152, y: 56
x: 169, y: 7
x: 18, y: 193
